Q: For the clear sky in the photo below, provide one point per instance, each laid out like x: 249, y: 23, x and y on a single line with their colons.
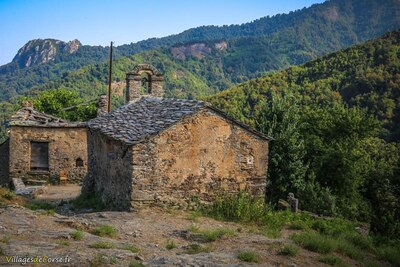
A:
x: 97, y: 22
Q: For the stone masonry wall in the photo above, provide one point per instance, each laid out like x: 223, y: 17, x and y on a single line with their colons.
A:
x: 66, y: 145
x: 4, y: 163
x: 199, y: 157
x: 110, y: 170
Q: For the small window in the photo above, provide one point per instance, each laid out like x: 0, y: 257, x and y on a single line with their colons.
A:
x: 39, y: 156
x: 79, y: 162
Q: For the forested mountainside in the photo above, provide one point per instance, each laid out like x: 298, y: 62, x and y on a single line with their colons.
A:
x: 336, y: 130
x: 265, y: 44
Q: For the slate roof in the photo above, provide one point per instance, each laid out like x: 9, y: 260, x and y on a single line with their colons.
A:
x: 136, y: 121
x: 28, y: 116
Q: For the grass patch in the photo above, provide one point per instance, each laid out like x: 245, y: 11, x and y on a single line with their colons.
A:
x: 1, y: 252
x: 101, y: 245
x: 349, y: 250
x: 197, y: 248
x: 171, y: 244
x: 85, y: 201
x: 105, y: 230
x: 390, y: 254
x: 41, y: 205
x: 136, y: 263
x: 131, y: 248
x: 5, y: 240
x: 194, y: 216
x: 248, y: 256
x: 77, y: 235
x: 98, y: 260
x: 315, y: 242
x: 211, y: 235
x: 64, y: 243
x: 289, y: 250
x: 331, y: 260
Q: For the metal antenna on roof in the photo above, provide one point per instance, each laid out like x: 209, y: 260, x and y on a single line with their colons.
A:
x: 109, y: 79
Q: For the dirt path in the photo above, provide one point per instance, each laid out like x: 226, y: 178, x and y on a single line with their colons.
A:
x: 26, y: 232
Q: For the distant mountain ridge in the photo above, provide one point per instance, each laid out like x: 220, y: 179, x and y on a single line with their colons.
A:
x: 295, y: 38
x: 37, y: 52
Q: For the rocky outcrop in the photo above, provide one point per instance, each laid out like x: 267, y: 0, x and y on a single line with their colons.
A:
x: 38, y: 51
x: 197, y: 50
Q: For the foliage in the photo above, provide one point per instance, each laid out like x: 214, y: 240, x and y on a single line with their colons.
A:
x: 242, y: 207
x: 350, y: 155
x: 279, y: 117
x: 77, y: 235
x: 315, y: 242
x: 289, y: 250
x: 248, y: 256
x: 131, y: 248
x: 171, y: 244
x: 196, y: 248
x: 331, y: 260
x: 85, y: 201
x: 105, y: 230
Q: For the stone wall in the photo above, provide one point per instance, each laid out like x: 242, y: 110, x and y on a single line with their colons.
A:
x: 198, y: 158
x: 4, y: 163
x: 66, y: 146
x: 110, y: 170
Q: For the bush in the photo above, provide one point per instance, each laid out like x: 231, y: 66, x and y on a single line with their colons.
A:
x: 390, y: 254
x: 77, y: 235
x: 131, y: 248
x: 242, y: 208
x: 85, y: 201
x: 101, y: 245
x: 289, y: 250
x: 317, y: 199
x: 315, y: 242
x: 105, y: 230
x: 331, y: 260
x: 197, y: 248
x: 171, y: 244
x: 248, y: 256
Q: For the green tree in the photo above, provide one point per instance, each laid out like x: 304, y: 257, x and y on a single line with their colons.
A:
x: 279, y: 117
x: 55, y: 101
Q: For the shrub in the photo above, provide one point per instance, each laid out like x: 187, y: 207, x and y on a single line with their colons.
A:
x: 315, y: 242
x: 211, y: 235
x: 41, y: 205
x: 289, y: 250
x: 85, y: 201
x: 77, y: 235
x: 101, y: 245
x: 390, y: 254
x: 197, y: 248
x: 242, y: 207
x: 331, y: 260
x: 105, y: 230
x: 171, y: 244
x: 136, y: 263
x: 248, y: 256
x: 131, y: 248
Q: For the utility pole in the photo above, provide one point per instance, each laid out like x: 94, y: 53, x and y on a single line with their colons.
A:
x: 109, y: 79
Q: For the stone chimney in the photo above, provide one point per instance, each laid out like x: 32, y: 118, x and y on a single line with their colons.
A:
x: 102, y: 105
x: 144, y: 80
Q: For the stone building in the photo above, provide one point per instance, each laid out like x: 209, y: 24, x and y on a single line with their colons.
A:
x: 162, y: 150
x: 40, y: 146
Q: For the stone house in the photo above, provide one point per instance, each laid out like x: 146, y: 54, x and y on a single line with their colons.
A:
x: 40, y: 146
x: 165, y: 150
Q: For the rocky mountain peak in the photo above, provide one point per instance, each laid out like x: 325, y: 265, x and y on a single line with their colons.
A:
x: 41, y: 51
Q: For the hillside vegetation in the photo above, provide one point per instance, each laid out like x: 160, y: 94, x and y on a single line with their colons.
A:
x: 269, y: 43
x: 335, y: 125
